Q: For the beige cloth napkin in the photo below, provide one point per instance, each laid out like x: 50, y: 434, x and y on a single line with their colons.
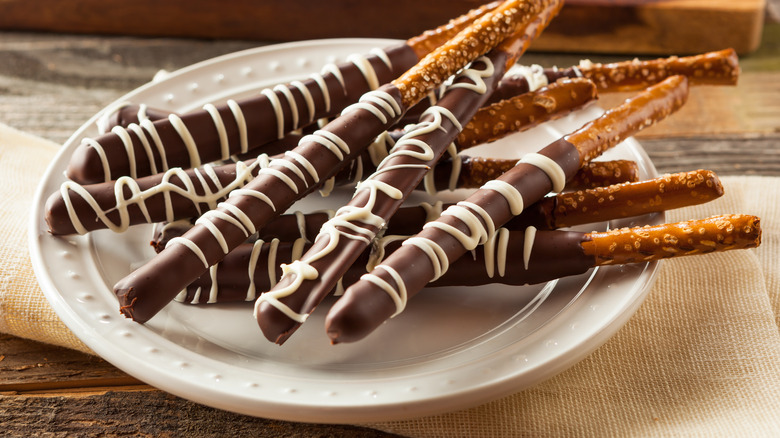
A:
x: 700, y: 357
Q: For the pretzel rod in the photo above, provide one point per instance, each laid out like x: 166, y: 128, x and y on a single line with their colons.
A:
x: 317, y: 157
x: 465, y: 172
x: 712, y: 68
x: 182, y: 194
x: 307, y: 281
x: 526, y: 110
x: 177, y: 193
x: 470, y: 223
x: 505, y: 260
x: 539, y: 256
x: 429, y: 40
x: 604, y: 173
x: 485, y: 33
x: 562, y: 210
x: 631, y: 199
x: 219, y: 131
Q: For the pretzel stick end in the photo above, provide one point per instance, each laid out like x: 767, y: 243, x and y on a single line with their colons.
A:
x: 656, y: 242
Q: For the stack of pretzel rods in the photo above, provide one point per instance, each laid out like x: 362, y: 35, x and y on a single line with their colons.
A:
x: 561, y: 210
x: 514, y: 257
x: 182, y: 194
x: 712, y: 68
x: 460, y: 86
x: 308, y: 280
x: 232, y: 128
x: 316, y: 158
x: 254, y: 264
x: 179, y: 193
x: 463, y: 227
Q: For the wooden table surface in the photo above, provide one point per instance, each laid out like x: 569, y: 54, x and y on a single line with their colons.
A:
x: 50, y: 84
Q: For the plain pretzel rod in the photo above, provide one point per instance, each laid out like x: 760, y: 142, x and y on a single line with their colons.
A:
x: 179, y: 193
x: 281, y: 310
x: 217, y: 132
x: 514, y: 257
x: 470, y: 223
x: 317, y: 157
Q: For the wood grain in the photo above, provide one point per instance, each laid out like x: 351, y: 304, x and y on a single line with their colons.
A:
x: 624, y: 26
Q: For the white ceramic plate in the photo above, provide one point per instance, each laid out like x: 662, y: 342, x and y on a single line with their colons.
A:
x: 453, y: 348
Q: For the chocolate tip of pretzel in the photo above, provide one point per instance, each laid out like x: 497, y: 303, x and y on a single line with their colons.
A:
x: 275, y: 325
x: 85, y: 166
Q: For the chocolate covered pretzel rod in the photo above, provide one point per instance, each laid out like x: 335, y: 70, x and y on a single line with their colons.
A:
x: 538, y: 256
x: 507, y: 259
x: 712, y: 68
x: 463, y: 227
x: 316, y: 158
x: 465, y: 172
x: 219, y: 131
x: 561, y: 210
x: 307, y: 281
x: 183, y: 194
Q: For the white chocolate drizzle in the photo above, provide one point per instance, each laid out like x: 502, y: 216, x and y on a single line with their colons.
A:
x: 370, y: 102
x: 359, y: 221
x: 533, y: 75
x: 528, y: 245
x: 139, y: 197
x: 550, y: 167
x: 481, y: 228
x: 272, y: 94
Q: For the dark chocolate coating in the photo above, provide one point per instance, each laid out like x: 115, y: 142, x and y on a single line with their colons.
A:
x: 463, y: 103
x: 146, y: 291
x: 555, y: 254
x: 514, y: 84
x: 85, y: 166
x: 128, y: 114
x: 531, y: 182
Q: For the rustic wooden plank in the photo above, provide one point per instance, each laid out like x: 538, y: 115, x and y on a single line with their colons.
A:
x: 726, y: 155
x: 625, y: 26
x: 32, y: 366
x: 146, y: 414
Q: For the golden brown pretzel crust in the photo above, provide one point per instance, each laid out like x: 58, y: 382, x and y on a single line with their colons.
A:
x: 633, y: 199
x: 526, y: 111
x: 644, y: 109
x: 477, y: 171
x: 655, y: 242
x: 713, y: 68
x: 604, y: 173
x: 429, y: 40
x: 477, y: 39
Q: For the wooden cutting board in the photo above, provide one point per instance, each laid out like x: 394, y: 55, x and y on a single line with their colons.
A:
x: 607, y: 26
